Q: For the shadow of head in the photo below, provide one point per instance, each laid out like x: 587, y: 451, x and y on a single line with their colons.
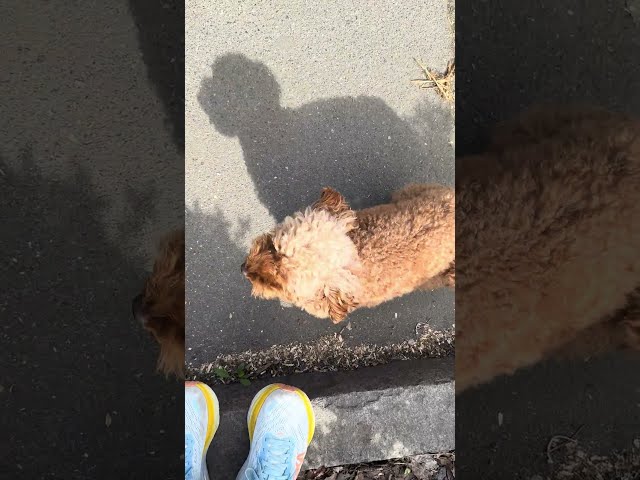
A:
x: 160, y: 306
x: 238, y: 91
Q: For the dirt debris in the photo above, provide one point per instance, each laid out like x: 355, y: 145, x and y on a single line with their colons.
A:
x: 569, y: 460
x: 421, y: 467
x: 327, y: 354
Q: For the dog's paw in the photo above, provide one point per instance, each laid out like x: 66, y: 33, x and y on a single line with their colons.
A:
x: 337, y: 320
x: 450, y: 277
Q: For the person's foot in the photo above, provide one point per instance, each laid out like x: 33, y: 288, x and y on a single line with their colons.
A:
x: 201, y: 420
x: 281, y: 425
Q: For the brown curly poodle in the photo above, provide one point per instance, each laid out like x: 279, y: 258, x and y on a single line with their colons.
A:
x: 548, y: 242
x: 330, y: 260
x: 160, y: 307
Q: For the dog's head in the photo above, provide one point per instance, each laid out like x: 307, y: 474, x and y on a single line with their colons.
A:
x: 160, y: 306
x: 309, y: 260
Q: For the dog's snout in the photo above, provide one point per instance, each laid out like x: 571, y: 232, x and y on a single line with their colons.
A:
x: 243, y: 268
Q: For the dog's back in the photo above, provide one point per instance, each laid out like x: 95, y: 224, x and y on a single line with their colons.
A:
x: 406, y: 243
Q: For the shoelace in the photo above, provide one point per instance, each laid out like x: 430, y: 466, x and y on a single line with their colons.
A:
x: 274, y: 460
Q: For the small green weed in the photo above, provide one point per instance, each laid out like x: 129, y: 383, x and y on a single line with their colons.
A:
x: 240, y: 374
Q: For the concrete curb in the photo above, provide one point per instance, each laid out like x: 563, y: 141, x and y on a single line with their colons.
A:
x: 399, y: 409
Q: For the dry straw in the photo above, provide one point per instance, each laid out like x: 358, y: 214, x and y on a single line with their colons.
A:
x: 443, y: 83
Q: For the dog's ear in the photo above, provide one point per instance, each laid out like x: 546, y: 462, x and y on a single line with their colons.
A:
x: 171, y: 340
x: 331, y: 201
x: 171, y: 359
x: 263, y: 266
x: 340, y: 305
x: 264, y: 245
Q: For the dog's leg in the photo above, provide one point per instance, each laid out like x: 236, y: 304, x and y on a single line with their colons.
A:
x: 632, y: 337
x: 444, y: 279
x: 599, y: 339
x: 596, y: 340
x: 621, y: 331
x: 630, y: 321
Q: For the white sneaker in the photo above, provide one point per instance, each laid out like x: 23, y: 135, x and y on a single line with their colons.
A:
x: 201, y: 420
x: 281, y: 425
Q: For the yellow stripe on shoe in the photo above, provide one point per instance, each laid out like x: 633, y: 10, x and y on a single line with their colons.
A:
x: 281, y: 425
x: 256, y: 405
x: 213, y: 410
x: 261, y: 396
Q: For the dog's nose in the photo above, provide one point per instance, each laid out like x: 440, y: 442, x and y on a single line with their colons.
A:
x: 137, y: 308
x: 243, y: 268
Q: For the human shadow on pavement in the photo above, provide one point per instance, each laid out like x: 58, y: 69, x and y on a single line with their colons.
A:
x: 357, y: 145
x: 78, y: 373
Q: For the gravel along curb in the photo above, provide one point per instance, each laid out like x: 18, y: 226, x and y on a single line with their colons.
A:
x: 400, y: 409
x: 430, y: 466
x: 327, y: 354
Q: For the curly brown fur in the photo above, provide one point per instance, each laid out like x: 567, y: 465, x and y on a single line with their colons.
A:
x: 547, y: 242
x: 330, y: 260
x: 160, y: 307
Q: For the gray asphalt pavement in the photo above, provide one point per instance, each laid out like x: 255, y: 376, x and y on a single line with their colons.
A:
x: 91, y: 173
x: 511, y: 55
x: 281, y: 100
